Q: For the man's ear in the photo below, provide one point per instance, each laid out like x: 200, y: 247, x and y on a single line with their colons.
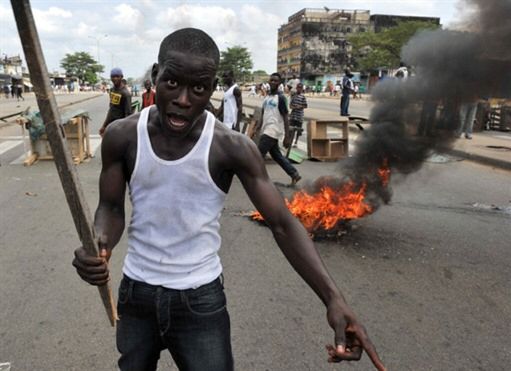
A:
x: 154, y: 73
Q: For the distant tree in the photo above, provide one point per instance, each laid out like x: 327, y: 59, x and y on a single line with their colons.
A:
x: 383, y: 49
x: 82, y: 66
x: 260, y: 75
x: 238, y: 60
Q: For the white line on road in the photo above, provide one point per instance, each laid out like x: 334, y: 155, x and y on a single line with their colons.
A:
x: 8, y: 145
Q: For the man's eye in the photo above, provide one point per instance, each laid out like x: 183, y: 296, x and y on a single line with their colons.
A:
x: 199, y: 88
x: 172, y: 83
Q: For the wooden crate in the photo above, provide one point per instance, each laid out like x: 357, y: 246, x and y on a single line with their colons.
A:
x: 78, y: 142
x: 321, y: 146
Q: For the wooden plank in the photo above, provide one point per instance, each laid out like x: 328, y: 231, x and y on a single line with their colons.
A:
x: 82, y: 217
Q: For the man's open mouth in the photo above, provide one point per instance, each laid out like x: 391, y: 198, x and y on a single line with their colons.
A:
x: 177, y: 121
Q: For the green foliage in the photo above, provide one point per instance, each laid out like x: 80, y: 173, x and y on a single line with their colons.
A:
x: 238, y: 60
x: 372, y: 50
x: 259, y: 76
x: 82, y: 66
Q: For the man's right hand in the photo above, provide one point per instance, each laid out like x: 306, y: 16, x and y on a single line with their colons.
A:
x: 102, y: 131
x: 93, y: 269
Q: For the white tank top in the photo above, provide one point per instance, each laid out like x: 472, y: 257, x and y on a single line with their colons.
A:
x: 173, y: 237
x: 230, y: 107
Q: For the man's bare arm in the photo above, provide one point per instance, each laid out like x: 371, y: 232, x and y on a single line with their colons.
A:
x: 292, y: 238
x: 109, y: 217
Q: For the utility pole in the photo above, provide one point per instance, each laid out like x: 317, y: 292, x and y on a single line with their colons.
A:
x: 98, y: 38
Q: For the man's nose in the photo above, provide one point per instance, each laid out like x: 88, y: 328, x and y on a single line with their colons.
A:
x: 182, y: 99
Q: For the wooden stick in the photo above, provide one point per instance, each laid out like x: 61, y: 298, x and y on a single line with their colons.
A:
x: 55, y: 131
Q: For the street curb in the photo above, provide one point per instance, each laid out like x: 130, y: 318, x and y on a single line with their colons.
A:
x: 10, y: 123
x: 505, y: 165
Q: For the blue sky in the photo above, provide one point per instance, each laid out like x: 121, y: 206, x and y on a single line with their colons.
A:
x: 128, y: 33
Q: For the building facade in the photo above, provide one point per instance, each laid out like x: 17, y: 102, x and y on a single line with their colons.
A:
x: 313, y: 45
x: 11, y: 70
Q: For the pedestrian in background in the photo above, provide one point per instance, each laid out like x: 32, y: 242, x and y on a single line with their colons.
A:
x: 148, y: 94
x: 347, y: 89
x: 19, y: 92
x: 402, y: 71
x: 298, y: 104
x: 275, y: 126
x: 231, y: 108
x: 467, y: 116
x: 291, y: 85
x: 120, y: 100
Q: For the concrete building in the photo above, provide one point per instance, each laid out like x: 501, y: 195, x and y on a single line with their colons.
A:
x: 313, y: 43
x: 11, y: 70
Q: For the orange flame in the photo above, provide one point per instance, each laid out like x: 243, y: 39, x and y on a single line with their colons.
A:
x: 384, y: 173
x: 326, y: 208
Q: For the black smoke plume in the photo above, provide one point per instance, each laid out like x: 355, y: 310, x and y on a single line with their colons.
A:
x: 417, y: 116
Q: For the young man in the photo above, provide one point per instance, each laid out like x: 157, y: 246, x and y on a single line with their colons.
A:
x: 275, y: 126
x: 120, y: 100
x: 231, y: 109
x: 147, y: 95
x: 347, y: 89
x: 291, y: 85
x: 297, y: 105
x: 179, y: 162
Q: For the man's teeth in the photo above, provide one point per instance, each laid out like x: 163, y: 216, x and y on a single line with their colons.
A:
x: 177, y: 121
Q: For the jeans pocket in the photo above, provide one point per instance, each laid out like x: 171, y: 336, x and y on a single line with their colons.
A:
x: 206, y: 302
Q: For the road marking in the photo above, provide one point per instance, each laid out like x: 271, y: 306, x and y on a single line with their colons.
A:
x: 8, y: 145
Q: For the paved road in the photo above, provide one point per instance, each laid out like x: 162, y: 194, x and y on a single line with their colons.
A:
x: 325, y: 107
x: 428, y: 274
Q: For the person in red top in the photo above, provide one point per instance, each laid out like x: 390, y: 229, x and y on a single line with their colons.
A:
x: 148, y: 95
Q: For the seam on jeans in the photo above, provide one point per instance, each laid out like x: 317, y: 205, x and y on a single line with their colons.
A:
x: 159, y: 292
x: 189, y: 307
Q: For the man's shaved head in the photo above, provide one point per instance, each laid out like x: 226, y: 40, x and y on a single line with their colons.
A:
x: 189, y: 40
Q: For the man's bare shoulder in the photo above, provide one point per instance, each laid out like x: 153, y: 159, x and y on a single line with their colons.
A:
x: 233, y: 147
x: 120, y: 135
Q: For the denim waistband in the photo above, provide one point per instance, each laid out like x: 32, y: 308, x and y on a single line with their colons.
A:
x: 134, y: 284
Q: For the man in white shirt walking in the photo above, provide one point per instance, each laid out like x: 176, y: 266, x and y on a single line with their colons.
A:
x: 231, y: 109
x: 275, y: 126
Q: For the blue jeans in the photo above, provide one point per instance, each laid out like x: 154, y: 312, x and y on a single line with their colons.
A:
x: 468, y: 114
x: 269, y: 144
x: 192, y: 324
x: 345, y: 103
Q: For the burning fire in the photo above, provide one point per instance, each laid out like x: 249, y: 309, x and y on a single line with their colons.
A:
x: 327, y: 208
x: 384, y: 173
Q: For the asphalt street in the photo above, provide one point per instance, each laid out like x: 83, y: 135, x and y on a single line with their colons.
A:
x: 428, y: 274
